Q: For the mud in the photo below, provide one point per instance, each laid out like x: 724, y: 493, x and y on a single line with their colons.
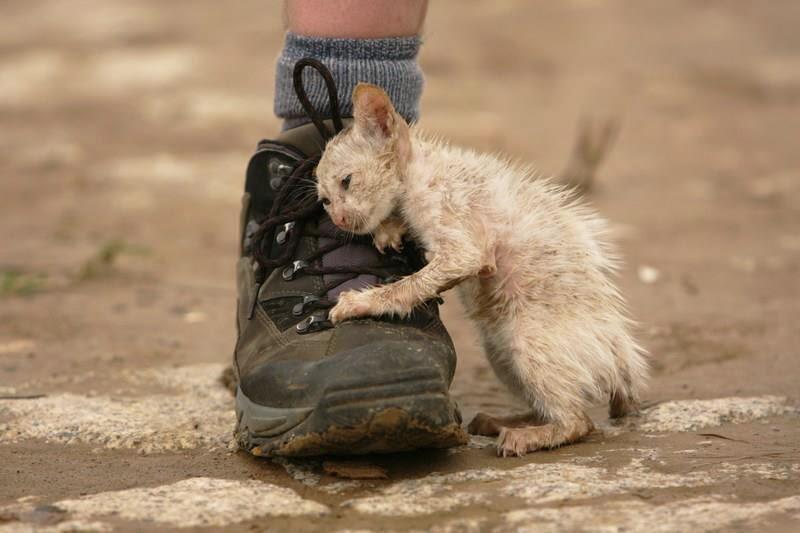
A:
x: 371, y: 437
x: 126, y: 128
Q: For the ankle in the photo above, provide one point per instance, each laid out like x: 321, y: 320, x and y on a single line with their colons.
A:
x: 390, y: 63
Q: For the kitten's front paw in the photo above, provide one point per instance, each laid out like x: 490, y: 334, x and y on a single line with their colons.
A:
x: 383, y: 240
x: 351, y: 304
x: 389, y: 234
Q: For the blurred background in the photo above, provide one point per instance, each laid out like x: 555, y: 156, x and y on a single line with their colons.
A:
x: 126, y: 126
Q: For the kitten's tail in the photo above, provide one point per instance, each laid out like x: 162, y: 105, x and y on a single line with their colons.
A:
x: 622, y: 404
x: 632, y: 368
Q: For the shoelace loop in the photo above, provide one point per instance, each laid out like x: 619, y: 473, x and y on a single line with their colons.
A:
x: 292, y: 207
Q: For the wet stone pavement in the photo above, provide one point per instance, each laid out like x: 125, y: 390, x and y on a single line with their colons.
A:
x: 622, y: 477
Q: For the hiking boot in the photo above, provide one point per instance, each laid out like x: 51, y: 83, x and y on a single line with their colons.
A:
x: 306, y: 387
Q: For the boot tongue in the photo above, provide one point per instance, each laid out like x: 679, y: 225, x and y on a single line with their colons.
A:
x: 308, y: 140
x: 347, y: 255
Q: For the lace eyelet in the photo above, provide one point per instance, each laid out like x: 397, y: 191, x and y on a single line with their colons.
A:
x: 284, y: 234
x: 290, y: 271
x: 300, y: 308
x: 278, y: 171
x: 311, y: 324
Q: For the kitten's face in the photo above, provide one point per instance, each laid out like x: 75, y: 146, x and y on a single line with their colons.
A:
x: 359, y: 178
x: 357, y: 182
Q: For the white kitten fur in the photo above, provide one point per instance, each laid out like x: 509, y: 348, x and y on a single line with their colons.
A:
x: 531, y: 262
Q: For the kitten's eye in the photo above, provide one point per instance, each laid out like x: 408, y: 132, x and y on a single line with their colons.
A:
x: 346, y: 181
x: 326, y: 201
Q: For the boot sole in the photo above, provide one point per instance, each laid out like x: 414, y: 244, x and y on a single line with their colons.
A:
x: 409, y: 414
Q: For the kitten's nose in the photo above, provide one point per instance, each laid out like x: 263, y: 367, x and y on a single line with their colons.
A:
x: 340, y: 220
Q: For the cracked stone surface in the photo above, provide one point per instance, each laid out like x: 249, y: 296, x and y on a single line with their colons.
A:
x: 695, y: 514
x: 197, y: 414
x: 197, y: 502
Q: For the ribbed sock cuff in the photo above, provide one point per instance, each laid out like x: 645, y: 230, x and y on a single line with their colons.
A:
x: 390, y: 63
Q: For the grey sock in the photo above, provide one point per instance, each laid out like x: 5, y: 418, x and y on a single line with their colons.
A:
x: 390, y: 63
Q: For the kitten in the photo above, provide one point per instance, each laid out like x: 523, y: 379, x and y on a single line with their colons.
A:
x: 531, y: 264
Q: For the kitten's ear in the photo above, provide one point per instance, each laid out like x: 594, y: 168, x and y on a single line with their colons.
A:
x: 373, y: 111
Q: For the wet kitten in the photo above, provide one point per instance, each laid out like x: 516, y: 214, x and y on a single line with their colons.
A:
x: 530, y: 262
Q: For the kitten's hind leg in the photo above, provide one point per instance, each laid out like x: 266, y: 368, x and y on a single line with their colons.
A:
x: 491, y: 426
x: 529, y: 356
x: 517, y: 441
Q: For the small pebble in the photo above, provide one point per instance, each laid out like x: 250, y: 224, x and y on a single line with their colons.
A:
x: 648, y: 274
x: 194, y: 317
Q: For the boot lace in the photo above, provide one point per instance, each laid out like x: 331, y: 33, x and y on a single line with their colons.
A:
x: 294, y: 205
